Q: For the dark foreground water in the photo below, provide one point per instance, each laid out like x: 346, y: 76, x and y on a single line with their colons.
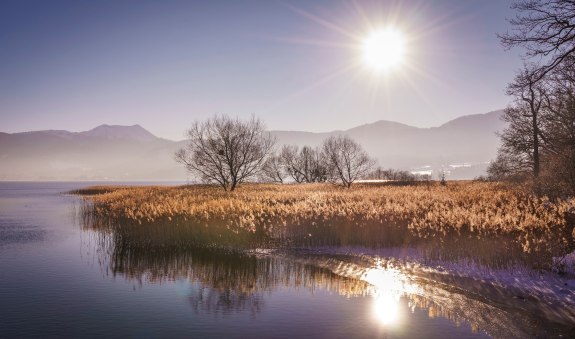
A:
x: 59, y: 279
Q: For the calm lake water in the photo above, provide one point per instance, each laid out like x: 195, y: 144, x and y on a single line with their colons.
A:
x: 59, y: 279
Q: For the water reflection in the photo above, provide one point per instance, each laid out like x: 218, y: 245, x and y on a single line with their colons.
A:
x: 385, y: 307
x: 388, y: 288
x: 493, y: 310
x: 227, y: 282
x: 222, y: 281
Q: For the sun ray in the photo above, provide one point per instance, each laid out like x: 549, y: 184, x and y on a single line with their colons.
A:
x: 313, y: 42
x: 361, y: 13
x: 322, y: 22
x: 319, y: 82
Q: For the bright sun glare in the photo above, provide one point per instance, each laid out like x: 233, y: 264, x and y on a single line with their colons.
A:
x: 384, y: 49
x: 386, y: 308
x: 386, y: 299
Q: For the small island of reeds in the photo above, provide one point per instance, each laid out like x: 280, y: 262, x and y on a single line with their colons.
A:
x: 462, y: 216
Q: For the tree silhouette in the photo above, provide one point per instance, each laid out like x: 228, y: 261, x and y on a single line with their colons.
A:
x: 226, y: 151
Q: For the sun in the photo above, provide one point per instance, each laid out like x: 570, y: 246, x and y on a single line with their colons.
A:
x: 384, y: 49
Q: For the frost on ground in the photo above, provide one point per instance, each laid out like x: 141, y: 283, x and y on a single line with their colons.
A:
x: 565, y: 265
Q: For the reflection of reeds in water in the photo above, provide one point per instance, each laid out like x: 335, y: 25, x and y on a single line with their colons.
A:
x: 500, y: 317
x: 459, y: 311
x: 223, y: 270
x: 226, y: 281
x: 486, y: 220
x: 223, y: 282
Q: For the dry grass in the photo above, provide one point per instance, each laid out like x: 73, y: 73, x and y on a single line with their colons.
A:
x: 470, y: 209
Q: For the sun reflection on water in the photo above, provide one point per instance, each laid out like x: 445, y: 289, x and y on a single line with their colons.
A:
x: 388, y: 287
x: 386, y: 308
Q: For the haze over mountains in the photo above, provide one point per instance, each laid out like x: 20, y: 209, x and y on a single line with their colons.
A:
x: 462, y: 146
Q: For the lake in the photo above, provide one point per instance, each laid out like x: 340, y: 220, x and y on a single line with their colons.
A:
x: 60, y: 278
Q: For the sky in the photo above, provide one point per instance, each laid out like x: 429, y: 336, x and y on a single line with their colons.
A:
x: 297, y: 65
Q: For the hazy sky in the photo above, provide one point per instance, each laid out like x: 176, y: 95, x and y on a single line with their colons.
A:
x: 296, y: 64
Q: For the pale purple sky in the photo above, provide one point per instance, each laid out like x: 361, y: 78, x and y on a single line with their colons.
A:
x: 295, y: 64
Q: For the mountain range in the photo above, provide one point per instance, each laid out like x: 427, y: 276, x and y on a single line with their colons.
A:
x: 463, y: 147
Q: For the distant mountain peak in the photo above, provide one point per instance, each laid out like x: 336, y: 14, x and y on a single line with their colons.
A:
x: 117, y: 127
x: 383, y: 124
x: 133, y: 132
x: 482, y: 121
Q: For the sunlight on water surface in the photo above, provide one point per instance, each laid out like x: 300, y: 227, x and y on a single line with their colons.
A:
x: 388, y: 286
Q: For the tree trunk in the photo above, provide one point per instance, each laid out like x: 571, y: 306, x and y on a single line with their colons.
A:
x: 534, y: 112
x: 535, y: 148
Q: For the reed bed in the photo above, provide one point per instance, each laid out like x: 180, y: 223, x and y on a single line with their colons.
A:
x: 369, y: 215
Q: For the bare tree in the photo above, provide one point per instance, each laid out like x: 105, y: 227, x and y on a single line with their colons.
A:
x: 540, y: 137
x: 346, y: 160
x: 541, y: 133
x: 289, y: 157
x: 303, y: 165
x: 226, y: 151
x: 523, y: 134
x: 558, y: 131
x: 546, y: 29
x: 508, y: 166
x: 273, y: 170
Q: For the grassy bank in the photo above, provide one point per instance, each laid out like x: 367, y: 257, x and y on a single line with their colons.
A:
x: 318, y: 214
